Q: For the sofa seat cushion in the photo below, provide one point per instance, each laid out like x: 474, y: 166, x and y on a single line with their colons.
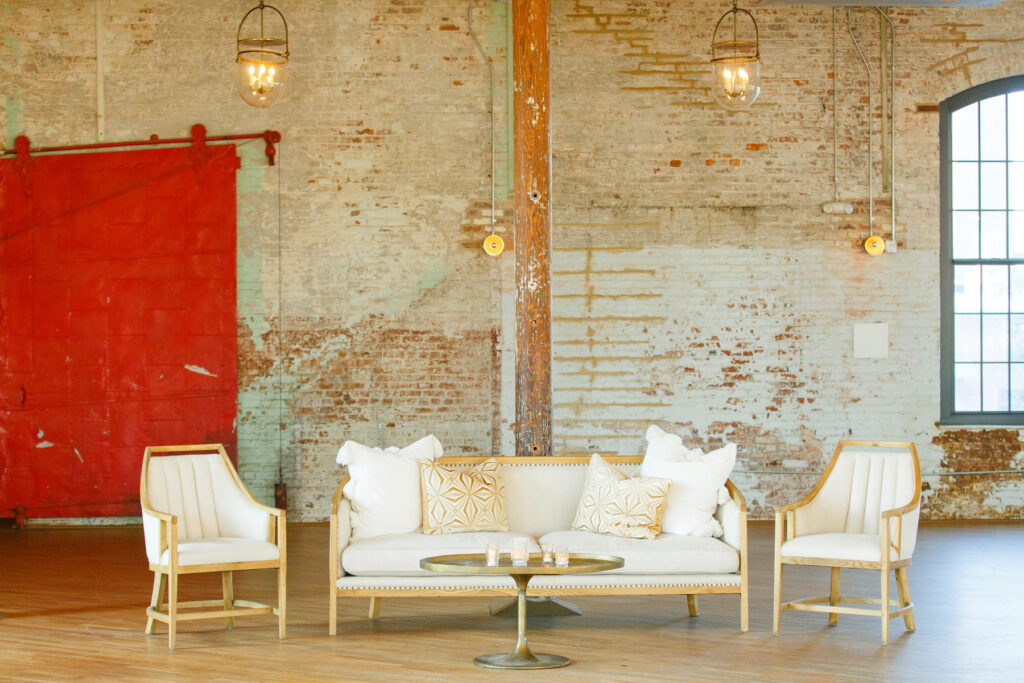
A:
x: 664, y: 554
x: 221, y: 550
x: 400, y: 554
x: 857, y: 547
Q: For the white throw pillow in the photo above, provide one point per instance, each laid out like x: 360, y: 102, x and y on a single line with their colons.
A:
x: 665, y: 447
x: 698, y: 481
x: 384, y: 486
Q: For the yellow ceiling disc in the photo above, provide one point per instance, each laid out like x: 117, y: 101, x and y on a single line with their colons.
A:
x: 494, y: 245
x: 874, y: 245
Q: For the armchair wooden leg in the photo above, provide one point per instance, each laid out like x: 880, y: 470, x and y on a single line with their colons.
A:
x: 172, y: 609
x: 885, y: 605
x: 691, y: 604
x: 374, y: 607
x: 282, y: 600
x: 229, y: 596
x: 777, y: 595
x: 777, y: 598
x: 833, y: 596
x: 904, y: 591
x: 159, y: 586
x: 744, y: 610
x: 332, y: 624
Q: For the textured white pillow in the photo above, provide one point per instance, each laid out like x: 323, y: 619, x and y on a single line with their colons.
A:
x: 384, y: 486
x: 697, y: 482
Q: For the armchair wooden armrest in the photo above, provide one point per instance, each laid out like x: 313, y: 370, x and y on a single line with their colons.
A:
x: 785, y: 516
x: 792, y: 506
x: 902, y: 510
x: 166, y: 521
x: 893, y: 537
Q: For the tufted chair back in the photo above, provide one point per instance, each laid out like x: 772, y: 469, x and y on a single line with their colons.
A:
x: 858, y: 485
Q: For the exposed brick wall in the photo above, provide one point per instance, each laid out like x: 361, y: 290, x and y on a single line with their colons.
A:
x: 697, y: 283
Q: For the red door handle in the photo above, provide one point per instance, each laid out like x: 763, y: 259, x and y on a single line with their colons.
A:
x: 21, y: 396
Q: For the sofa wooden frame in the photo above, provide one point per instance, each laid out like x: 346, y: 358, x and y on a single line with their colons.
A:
x: 165, y: 576
x: 691, y: 592
x: 785, y: 529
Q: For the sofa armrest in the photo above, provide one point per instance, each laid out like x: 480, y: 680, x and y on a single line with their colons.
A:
x: 732, y: 515
x: 341, y: 530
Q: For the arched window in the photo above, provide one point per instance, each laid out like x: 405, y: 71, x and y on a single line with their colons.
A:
x: 981, y: 132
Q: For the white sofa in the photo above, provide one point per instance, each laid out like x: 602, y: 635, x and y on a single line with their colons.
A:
x: 541, y: 498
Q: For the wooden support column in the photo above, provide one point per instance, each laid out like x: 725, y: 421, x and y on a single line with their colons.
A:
x: 532, y: 141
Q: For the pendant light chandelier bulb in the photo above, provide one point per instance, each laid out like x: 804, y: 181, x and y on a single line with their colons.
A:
x: 262, y: 60
x: 735, y: 62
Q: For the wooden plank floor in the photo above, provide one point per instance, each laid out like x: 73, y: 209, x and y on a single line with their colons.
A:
x: 72, y: 600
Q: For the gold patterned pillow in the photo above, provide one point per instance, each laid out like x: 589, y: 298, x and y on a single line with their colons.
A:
x: 458, y: 500
x: 612, y: 503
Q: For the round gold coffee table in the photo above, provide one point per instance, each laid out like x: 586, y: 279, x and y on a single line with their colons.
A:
x: 521, y: 657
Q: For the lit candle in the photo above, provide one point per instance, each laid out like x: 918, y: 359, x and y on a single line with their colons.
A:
x: 520, y: 553
x: 561, y: 556
x: 492, y: 554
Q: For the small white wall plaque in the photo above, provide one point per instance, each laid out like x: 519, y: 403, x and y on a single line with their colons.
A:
x: 871, y: 340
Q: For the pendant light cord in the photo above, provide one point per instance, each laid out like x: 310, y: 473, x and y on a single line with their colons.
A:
x: 490, y: 73
x: 871, y: 111
x: 280, y: 334
x: 835, y: 113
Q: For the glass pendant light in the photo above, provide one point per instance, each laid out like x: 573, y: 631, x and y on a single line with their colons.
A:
x: 736, y: 63
x: 263, y: 60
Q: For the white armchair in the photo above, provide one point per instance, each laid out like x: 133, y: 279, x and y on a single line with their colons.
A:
x: 861, y: 514
x: 198, y: 517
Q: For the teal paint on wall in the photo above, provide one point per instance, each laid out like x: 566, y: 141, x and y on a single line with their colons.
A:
x: 12, y: 111
x: 263, y: 400
x: 498, y: 44
x: 12, y: 103
x: 426, y: 282
x: 252, y: 302
x: 12, y: 43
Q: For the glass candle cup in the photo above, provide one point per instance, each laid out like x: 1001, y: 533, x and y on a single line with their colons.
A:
x: 561, y: 556
x: 520, y: 551
x: 492, y: 554
x: 547, y: 552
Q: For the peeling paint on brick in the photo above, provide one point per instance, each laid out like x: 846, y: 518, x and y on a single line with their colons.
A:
x: 974, y: 450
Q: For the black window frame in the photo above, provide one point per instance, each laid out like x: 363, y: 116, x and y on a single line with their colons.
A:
x: 949, y: 416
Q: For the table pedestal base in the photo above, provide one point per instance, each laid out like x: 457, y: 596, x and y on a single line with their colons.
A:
x: 536, y: 607
x: 519, y: 660
x: 522, y: 657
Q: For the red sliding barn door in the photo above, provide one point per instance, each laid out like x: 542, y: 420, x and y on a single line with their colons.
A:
x: 117, y: 326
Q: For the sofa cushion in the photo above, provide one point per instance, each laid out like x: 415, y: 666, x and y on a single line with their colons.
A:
x: 861, y: 547
x: 400, y: 554
x: 665, y: 554
x: 697, y: 482
x: 459, y: 501
x: 384, y: 486
x: 612, y: 503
